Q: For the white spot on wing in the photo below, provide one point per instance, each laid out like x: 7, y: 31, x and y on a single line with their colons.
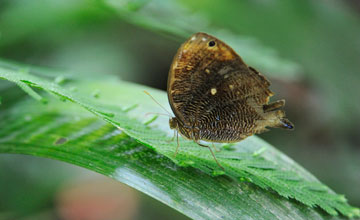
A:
x: 193, y: 38
x: 213, y: 91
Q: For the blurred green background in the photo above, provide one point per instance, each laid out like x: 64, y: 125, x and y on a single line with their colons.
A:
x: 309, y: 49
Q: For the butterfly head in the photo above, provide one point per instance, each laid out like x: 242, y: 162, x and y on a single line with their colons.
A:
x: 182, y: 129
x: 173, y: 122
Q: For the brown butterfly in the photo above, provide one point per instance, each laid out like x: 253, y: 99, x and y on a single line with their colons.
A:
x: 216, y: 97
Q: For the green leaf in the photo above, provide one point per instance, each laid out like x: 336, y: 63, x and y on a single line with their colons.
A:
x: 124, y: 105
x: 65, y: 132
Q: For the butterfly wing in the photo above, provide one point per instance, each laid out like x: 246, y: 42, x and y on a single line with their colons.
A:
x: 213, y: 92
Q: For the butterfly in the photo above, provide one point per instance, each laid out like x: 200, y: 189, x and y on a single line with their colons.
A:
x: 216, y: 97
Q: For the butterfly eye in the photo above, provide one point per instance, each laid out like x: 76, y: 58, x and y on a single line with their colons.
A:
x: 211, y: 43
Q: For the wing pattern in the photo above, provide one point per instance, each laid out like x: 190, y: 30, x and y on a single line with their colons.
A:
x: 217, y: 96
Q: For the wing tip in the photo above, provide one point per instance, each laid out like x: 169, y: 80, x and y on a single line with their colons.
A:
x: 287, y: 124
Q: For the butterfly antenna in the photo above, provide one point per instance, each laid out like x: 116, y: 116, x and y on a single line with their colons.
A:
x: 156, y: 113
x: 157, y: 103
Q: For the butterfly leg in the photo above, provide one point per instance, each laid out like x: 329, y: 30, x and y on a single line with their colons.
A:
x: 178, y: 145
x: 216, y: 149
x: 173, y: 137
x: 211, y: 153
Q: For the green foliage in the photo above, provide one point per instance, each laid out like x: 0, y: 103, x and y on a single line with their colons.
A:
x: 99, y: 146
x: 47, y: 130
x: 321, y: 37
x: 173, y: 19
